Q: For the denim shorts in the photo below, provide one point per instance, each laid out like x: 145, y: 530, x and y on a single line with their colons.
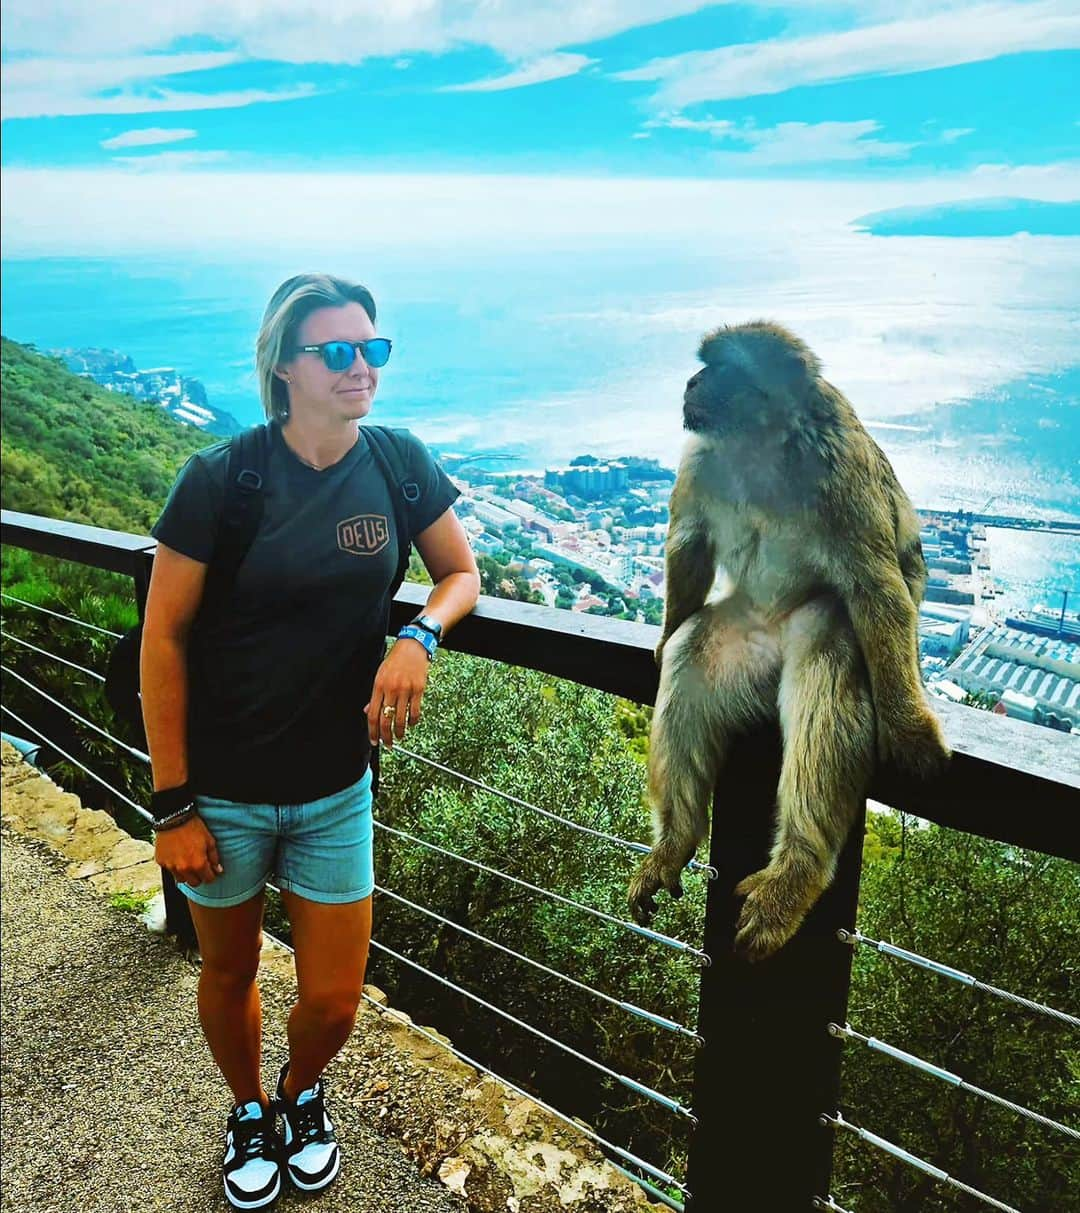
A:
x: 321, y: 850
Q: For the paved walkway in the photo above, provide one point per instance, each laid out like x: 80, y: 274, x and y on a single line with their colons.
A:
x: 111, y: 1102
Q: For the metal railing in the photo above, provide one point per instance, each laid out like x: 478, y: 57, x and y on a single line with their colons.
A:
x: 761, y: 1028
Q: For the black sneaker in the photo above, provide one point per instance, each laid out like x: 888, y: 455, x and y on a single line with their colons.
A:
x: 312, y: 1157
x: 252, y: 1166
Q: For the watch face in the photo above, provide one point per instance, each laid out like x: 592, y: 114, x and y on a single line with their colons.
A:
x: 432, y: 625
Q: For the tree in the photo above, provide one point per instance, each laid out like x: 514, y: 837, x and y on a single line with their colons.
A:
x: 1012, y: 919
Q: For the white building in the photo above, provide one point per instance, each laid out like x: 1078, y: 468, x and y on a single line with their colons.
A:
x: 496, y: 517
x: 1046, y: 670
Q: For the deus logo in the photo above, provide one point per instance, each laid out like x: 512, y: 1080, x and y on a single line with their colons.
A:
x: 363, y: 535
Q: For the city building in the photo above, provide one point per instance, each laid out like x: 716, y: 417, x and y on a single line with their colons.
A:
x: 495, y: 516
x: 1044, y: 669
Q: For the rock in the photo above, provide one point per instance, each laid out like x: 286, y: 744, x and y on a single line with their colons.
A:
x: 454, y: 1172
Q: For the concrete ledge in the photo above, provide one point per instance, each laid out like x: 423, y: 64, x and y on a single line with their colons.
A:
x: 496, y: 1151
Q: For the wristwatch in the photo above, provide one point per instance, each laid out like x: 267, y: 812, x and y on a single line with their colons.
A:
x: 429, y: 625
x: 412, y: 631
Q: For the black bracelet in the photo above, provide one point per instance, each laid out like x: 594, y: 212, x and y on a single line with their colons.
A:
x: 171, y: 801
x: 176, y: 819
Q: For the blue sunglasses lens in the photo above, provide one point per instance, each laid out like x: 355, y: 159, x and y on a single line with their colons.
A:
x: 339, y: 355
x: 377, y: 352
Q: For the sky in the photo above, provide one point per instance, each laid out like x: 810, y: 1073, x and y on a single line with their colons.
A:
x: 238, y: 121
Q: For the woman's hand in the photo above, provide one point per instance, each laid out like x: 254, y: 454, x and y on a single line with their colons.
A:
x: 189, y: 852
x: 397, y: 692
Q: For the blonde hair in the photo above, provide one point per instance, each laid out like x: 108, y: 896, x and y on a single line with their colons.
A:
x: 289, y: 306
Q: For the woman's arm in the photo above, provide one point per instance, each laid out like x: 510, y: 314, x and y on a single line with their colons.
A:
x: 402, y: 677
x: 188, y: 851
x: 176, y: 589
x: 444, y: 549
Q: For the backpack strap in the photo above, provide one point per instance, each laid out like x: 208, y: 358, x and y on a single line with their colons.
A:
x: 388, y: 448
x: 245, y: 476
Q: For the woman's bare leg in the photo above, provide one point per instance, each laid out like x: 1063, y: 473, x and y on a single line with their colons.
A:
x: 230, y: 941
x: 331, y: 944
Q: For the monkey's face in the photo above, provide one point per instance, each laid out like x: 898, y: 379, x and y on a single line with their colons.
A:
x: 757, y: 379
x: 721, y: 399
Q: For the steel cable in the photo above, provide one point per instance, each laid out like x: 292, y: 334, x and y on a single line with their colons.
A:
x: 56, y: 615
x: 926, y: 1067
x: 659, y: 1020
x: 631, y: 1084
x: 75, y: 762
x: 943, y: 970
x: 52, y: 656
x: 656, y: 936
x: 639, y: 848
x: 838, y: 1122
x: 75, y: 716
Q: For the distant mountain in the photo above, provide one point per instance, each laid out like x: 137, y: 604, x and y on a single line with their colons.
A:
x: 976, y: 217
x: 182, y: 397
x: 78, y: 451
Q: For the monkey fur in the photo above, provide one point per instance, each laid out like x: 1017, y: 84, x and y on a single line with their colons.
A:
x: 789, y: 512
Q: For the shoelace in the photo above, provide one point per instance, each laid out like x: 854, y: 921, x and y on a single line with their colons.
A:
x: 249, y: 1139
x: 307, y: 1121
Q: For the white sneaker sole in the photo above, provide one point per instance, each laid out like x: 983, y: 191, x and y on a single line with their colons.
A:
x: 261, y: 1203
x: 322, y: 1183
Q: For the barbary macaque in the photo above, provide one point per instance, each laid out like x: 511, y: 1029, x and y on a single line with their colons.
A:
x: 790, y: 514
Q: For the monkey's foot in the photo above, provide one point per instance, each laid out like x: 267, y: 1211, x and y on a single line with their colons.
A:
x: 914, y: 744
x: 658, y: 871
x: 777, y: 900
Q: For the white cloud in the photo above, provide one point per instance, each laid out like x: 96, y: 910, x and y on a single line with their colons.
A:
x: 49, y: 88
x: 68, y: 53
x: 163, y: 101
x: 956, y: 132
x: 539, y: 71
x: 914, y: 44
x: 788, y: 142
x: 147, y: 136
x: 327, y: 31
x: 711, y: 126
x: 168, y: 161
x: 811, y: 143
x: 89, y: 75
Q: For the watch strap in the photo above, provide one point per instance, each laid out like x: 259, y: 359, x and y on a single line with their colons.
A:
x: 412, y: 632
x: 429, y: 625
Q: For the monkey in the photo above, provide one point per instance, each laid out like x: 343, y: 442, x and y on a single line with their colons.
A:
x: 790, y: 514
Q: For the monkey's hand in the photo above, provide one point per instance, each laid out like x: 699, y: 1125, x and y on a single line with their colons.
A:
x: 660, y: 869
x: 777, y: 900
x: 913, y: 742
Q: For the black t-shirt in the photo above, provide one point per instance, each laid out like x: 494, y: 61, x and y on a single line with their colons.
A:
x: 278, y: 678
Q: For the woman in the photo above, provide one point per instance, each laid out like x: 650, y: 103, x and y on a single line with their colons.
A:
x: 261, y: 715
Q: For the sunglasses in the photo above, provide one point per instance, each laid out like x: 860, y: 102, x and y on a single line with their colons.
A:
x: 340, y: 355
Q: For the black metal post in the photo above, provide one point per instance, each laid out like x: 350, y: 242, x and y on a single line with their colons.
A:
x: 178, y: 921
x: 768, y: 1068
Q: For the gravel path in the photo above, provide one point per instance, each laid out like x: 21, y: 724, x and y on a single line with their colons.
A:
x: 109, y: 1099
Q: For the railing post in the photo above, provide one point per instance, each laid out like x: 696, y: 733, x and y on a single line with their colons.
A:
x: 768, y: 1068
x: 178, y: 919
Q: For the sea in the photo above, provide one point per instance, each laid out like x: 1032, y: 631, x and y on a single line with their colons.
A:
x: 960, y: 355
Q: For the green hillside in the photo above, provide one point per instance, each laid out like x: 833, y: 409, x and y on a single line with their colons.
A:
x: 73, y: 450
